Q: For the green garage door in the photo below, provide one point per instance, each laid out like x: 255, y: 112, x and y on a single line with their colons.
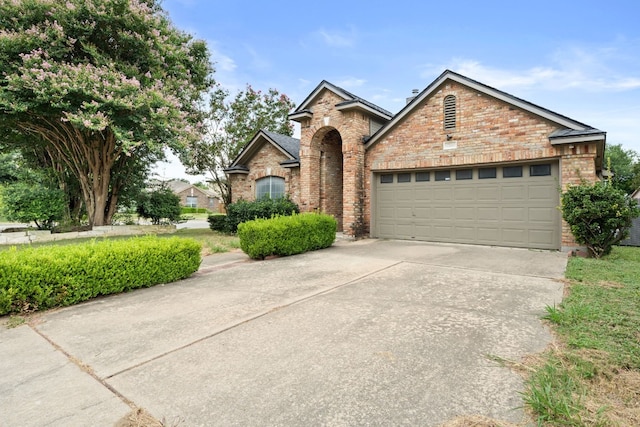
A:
x: 511, y: 205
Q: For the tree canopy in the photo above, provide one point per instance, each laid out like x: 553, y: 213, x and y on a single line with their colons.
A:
x: 625, y: 167
x: 100, y: 88
x: 231, y: 123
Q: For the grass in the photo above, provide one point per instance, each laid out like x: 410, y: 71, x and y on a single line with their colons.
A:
x: 212, y: 241
x: 592, y: 376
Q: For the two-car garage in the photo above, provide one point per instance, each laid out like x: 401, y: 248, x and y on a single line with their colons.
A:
x: 509, y: 205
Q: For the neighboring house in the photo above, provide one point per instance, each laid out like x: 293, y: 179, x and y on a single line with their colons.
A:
x: 461, y: 162
x: 194, y: 197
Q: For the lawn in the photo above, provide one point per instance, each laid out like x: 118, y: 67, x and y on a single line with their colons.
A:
x: 592, y: 375
x: 212, y: 241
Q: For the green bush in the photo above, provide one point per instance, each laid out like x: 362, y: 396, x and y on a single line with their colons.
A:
x: 51, y: 276
x: 287, y: 235
x: 243, y: 210
x: 25, y: 203
x: 219, y: 222
x: 190, y: 210
x: 158, y: 205
x: 599, y: 215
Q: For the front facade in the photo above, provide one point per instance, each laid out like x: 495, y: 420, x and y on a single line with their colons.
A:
x: 462, y: 162
x: 192, y: 196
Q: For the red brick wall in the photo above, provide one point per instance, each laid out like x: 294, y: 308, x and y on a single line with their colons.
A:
x: 203, y: 199
x: 487, y: 131
x: 315, y: 133
x: 265, y: 163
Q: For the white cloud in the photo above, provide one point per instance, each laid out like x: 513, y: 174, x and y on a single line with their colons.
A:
x: 572, y: 67
x: 336, y: 38
x: 257, y: 60
x: 350, y: 82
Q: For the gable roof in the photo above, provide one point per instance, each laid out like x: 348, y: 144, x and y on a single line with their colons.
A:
x: 350, y: 101
x: 574, y: 130
x: 287, y: 145
x: 178, y: 186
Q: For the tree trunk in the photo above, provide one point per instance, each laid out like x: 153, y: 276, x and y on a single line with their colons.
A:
x: 89, y: 157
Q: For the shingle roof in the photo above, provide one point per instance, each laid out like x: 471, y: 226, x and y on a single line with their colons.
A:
x: 362, y: 100
x: 287, y: 143
x: 565, y: 133
x: 350, y: 99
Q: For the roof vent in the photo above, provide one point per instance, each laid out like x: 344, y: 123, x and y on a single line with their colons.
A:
x: 414, y: 93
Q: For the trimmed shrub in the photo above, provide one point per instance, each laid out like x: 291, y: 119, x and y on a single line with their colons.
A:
x: 159, y: 205
x: 599, y: 215
x: 243, y: 211
x: 219, y: 222
x: 25, y: 203
x: 52, y: 276
x: 287, y: 235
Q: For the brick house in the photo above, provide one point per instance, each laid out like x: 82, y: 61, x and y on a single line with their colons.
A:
x: 194, y: 197
x: 461, y: 162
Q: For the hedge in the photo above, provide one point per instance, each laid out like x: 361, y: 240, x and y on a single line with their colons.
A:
x: 52, y: 276
x: 287, y: 235
x: 243, y: 210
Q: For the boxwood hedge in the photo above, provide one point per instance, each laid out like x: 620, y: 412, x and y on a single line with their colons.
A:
x: 53, y: 276
x: 287, y: 235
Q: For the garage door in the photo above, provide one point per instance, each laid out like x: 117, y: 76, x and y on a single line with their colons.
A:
x: 511, y: 205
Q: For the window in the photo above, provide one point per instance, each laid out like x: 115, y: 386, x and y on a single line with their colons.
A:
x: 443, y: 175
x: 540, y: 170
x: 270, y: 187
x: 449, y: 112
x: 192, y: 202
x: 464, y: 174
x: 512, y: 172
x: 486, y: 173
x: 422, y: 176
x: 386, y: 178
x: 404, y: 177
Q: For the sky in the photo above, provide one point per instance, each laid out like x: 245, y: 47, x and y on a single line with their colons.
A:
x: 578, y: 58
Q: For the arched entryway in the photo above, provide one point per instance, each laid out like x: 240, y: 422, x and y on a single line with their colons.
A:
x: 328, y: 143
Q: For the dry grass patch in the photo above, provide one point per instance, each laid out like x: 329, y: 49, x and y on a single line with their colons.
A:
x: 141, y: 418
x: 477, y: 421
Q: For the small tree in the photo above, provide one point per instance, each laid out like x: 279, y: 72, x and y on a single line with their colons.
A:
x: 25, y: 203
x: 230, y: 126
x: 158, y: 205
x: 623, y: 163
x: 599, y: 215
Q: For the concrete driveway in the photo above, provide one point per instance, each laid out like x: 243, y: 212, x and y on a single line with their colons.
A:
x: 363, y: 333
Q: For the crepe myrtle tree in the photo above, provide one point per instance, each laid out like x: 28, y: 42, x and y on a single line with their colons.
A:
x: 231, y: 123
x: 103, y: 86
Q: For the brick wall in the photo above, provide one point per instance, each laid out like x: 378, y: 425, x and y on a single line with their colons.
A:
x: 488, y: 131
x: 202, y: 198
x: 266, y: 163
x: 318, y: 174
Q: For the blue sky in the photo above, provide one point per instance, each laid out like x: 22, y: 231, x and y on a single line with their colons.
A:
x: 577, y: 58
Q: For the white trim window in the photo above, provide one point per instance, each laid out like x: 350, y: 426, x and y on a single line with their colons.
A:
x: 270, y: 186
x: 192, y: 202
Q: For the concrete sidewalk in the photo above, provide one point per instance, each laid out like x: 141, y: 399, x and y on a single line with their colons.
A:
x: 369, y: 332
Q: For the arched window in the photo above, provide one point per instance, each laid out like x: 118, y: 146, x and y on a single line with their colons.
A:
x: 449, y: 112
x: 270, y: 186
